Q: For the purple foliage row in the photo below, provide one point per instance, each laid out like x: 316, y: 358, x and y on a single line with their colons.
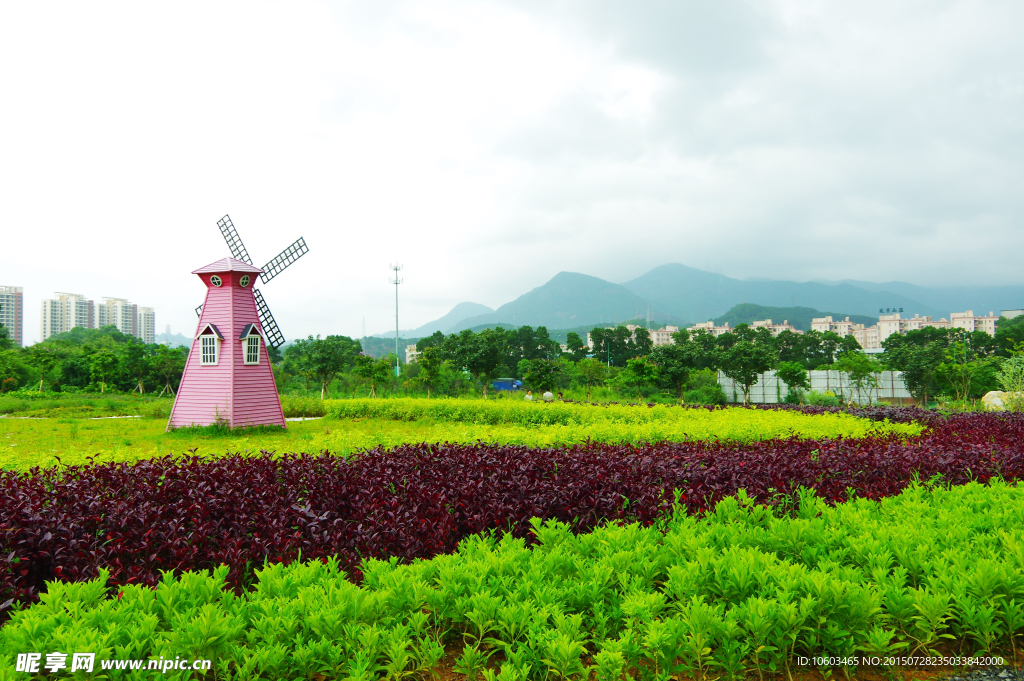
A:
x: 137, y: 519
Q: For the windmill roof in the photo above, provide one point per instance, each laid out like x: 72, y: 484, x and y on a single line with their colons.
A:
x: 227, y: 265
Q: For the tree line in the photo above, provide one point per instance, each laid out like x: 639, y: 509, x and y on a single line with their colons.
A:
x: 962, y: 365
x: 90, y: 360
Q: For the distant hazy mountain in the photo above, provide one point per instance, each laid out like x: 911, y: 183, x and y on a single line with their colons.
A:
x: 799, y: 317
x: 445, y: 324
x: 172, y: 339
x: 694, y: 294
x: 568, y: 300
x: 981, y: 299
x: 681, y: 295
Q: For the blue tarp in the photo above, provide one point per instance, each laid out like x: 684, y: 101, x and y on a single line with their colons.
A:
x: 506, y: 384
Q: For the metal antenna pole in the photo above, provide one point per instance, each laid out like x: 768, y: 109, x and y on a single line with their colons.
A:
x: 396, y: 281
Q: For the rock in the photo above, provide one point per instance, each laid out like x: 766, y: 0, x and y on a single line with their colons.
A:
x: 996, y: 400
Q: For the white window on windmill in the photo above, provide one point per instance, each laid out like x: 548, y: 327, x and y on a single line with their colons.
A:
x: 251, y: 339
x: 209, y: 345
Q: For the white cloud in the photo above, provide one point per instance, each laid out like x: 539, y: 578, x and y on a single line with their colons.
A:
x: 489, y: 145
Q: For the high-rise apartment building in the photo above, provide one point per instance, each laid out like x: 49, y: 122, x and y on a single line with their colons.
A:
x: 65, y: 312
x: 12, y: 313
x: 145, y: 325
x: 120, y: 313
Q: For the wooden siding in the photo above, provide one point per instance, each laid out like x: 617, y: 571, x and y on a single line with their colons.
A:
x: 242, y: 395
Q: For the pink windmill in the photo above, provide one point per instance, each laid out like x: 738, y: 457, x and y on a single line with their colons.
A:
x: 228, y: 377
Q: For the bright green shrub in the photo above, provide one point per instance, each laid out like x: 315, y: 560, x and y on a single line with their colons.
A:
x: 710, y: 394
x: 821, y: 399
x: 299, y: 406
x: 562, y: 422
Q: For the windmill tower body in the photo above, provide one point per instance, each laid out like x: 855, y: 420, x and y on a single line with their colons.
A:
x: 228, y: 376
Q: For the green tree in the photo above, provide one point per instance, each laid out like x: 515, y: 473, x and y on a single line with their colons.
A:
x: 674, y: 364
x: 102, y: 365
x: 481, y: 354
x: 376, y: 372
x: 744, y: 360
x: 703, y: 348
x: 74, y: 370
x: 639, y: 372
x: 529, y: 344
x: 5, y: 338
x: 968, y: 358
x: 321, y: 360
x: 1011, y: 374
x: 575, y: 348
x: 1011, y: 380
x: 430, y: 341
x: 169, y: 364
x: 861, y: 371
x: 821, y: 348
x: 44, y: 357
x: 590, y: 372
x: 432, y: 367
x: 640, y: 344
x: 274, y: 354
x: 9, y: 374
x: 1009, y: 334
x: 541, y: 374
x: 613, y: 346
x: 485, y: 356
x: 794, y: 375
x: 133, y: 363
x: 792, y: 347
x: 917, y: 358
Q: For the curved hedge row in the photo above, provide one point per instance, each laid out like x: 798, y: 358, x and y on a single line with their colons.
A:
x: 537, y: 412
x: 138, y: 519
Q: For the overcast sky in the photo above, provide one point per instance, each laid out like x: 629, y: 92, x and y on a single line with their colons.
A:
x: 489, y: 145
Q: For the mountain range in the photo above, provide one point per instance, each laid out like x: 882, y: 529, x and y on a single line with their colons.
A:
x: 677, y: 294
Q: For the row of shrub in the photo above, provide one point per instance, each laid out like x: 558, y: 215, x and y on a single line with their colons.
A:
x: 571, y: 423
x: 742, y: 591
x: 138, y: 519
x: 538, y: 412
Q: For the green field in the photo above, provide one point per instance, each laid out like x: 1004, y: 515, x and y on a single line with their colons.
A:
x: 366, y: 424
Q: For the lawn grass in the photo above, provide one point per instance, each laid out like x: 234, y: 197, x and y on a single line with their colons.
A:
x: 28, y: 442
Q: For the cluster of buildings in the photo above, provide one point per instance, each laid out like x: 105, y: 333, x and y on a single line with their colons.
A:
x: 67, y: 311
x: 70, y: 310
x: 870, y: 338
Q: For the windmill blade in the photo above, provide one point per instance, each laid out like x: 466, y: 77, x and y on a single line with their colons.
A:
x: 284, y: 259
x: 227, y: 228
x: 199, y: 311
x: 274, y: 336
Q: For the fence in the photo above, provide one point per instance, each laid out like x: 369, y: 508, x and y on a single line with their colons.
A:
x: 770, y: 389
